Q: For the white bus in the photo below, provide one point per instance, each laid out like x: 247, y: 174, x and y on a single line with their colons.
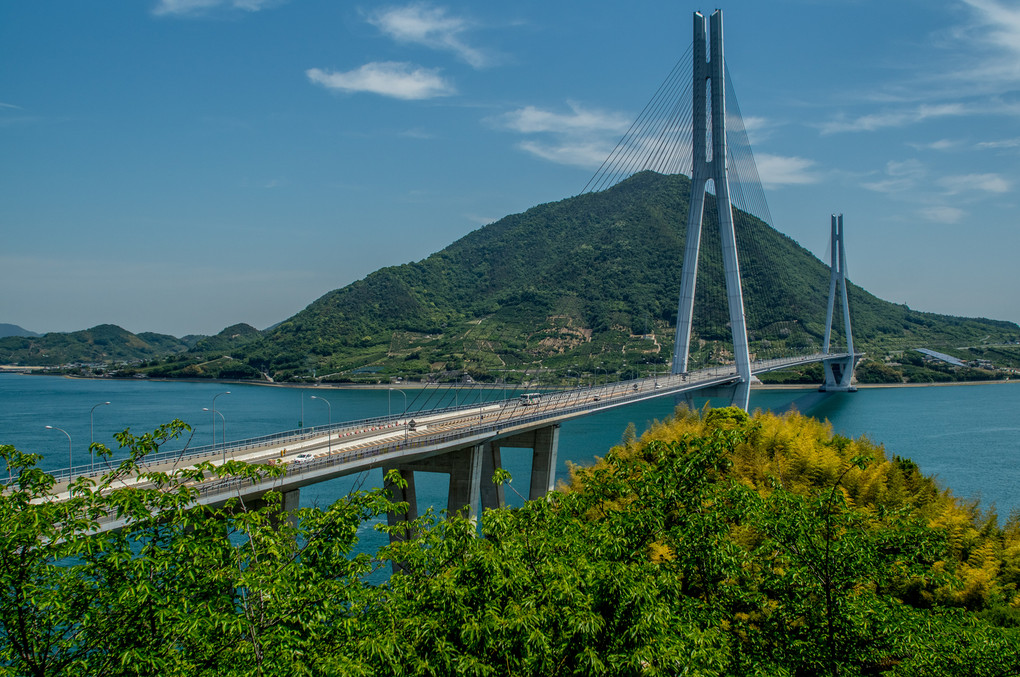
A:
x: 531, y: 398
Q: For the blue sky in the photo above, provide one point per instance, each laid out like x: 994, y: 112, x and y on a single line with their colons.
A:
x: 182, y: 165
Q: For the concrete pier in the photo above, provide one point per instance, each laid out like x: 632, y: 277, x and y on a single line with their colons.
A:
x: 471, y: 470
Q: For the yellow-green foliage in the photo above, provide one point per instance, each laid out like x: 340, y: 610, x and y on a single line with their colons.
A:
x: 803, y: 455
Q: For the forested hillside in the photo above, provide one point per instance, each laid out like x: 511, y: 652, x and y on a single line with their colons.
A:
x: 586, y: 281
x: 102, y: 344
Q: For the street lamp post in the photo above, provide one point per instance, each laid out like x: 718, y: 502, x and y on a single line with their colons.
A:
x: 223, y: 430
x: 213, y: 410
x: 69, y: 464
x: 92, y: 435
x: 329, y: 430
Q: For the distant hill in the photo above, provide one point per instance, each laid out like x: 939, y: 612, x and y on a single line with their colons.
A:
x: 105, y: 343
x: 14, y: 330
x: 584, y: 284
x: 227, y: 340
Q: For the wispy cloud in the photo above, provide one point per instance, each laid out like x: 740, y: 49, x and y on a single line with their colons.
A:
x: 417, y: 133
x: 972, y: 183
x: 579, y: 138
x: 193, y: 8
x: 584, y: 154
x: 942, y: 214
x: 386, y: 78
x: 758, y: 128
x: 432, y: 27
x: 777, y: 170
x: 900, y: 118
x: 9, y: 106
x: 532, y: 120
x: 999, y: 27
x: 899, y: 177
x: 941, y: 144
x: 1002, y: 143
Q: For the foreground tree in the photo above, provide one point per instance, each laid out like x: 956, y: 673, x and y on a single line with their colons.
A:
x: 714, y: 544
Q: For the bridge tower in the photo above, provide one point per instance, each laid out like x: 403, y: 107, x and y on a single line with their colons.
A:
x: 710, y: 164
x: 838, y: 372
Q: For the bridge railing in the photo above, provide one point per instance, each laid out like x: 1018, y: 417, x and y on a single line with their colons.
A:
x: 610, y: 395
x: 288, y: 437
x: 292, y: 437
x: 511, y: 413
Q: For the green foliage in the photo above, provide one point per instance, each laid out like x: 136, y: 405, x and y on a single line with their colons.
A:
x: 714, y: 544
x: 181, y: 588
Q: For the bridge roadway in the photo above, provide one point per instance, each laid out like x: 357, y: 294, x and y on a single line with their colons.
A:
x: 403, y: 440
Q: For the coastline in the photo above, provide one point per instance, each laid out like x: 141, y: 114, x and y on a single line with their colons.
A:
x: 869, y: 386
x: 484, y: 386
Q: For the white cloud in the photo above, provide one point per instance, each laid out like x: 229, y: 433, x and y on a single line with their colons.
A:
x: 777, y: 170
x: 899, y: 177
x: 1002, y: 143
x: 876, y: 121
x: 579, y: 138
x: 971, y: 183
x: 1004, y: 20
x: 202, y: 7
x: 432, y: 27
x: 387, y: 78
x: 532, y: 120
x: 941, y: 144
x: 942, y: 214
x: 758, y: 128
x: 587, y: 155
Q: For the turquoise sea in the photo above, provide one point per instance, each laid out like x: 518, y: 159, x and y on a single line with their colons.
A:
x: 968, y: 436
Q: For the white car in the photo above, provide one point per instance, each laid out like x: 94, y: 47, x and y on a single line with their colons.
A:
x: 303, y: 457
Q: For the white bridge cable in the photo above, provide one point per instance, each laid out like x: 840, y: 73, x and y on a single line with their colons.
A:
x: 766, y: 318
x: 635, y: 150
x: 660, y: 139
x: 632, y: 152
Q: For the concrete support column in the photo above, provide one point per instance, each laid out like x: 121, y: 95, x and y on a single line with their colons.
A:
x: 287, y: 510
x: 543, y: 461
x: 402, y: 495
x: 465, y: 468
x: 492, y: 494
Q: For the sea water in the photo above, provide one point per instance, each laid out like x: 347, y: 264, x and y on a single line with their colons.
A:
x: 967, y: 436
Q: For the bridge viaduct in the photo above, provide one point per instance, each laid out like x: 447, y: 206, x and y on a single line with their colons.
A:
x: 466, y: 442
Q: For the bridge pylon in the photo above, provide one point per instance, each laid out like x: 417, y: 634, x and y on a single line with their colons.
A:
x: 710, y: 122
x: 838, y: 372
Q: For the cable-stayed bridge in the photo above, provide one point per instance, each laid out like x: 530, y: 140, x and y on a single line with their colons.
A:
x: 692, y: 126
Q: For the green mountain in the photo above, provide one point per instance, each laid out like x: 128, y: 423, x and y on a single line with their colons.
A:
x: 585, y: 284
x: 227, y: 340
x: 14, y: 330
x: 105, y: 344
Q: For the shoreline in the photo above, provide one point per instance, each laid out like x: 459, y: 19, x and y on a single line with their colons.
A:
x: 484, y: 386
x: 869, y: 386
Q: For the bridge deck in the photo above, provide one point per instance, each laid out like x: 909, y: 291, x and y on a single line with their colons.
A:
x: 349, y: 448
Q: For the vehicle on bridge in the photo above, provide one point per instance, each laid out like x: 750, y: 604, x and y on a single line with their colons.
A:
x: 531, y: 398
